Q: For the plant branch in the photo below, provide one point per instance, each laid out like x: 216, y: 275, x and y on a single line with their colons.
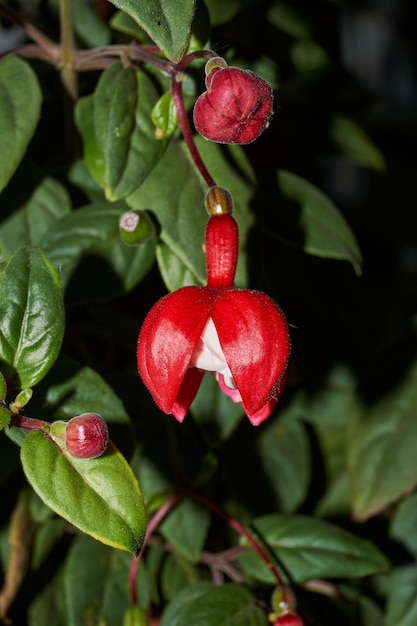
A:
x: 153, y: 523
x: 241, y: 530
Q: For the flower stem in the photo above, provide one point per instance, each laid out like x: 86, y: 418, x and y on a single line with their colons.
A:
x: 241, y: 530
x: 29, y: 423
x: 69, y: 77
x: 155, y: 520
x: 176, y: 88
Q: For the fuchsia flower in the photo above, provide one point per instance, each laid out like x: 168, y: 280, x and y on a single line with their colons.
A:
x: 239, y: 335
x: 237, y: 106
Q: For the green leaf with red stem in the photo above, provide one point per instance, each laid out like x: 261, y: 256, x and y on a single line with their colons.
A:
x: 310, y: 548
x: 99, y: 496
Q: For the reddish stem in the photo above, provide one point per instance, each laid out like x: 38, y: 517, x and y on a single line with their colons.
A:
x: 176, y: 89
x: 29, y: 423
x: 241, y: 530
x: 155, y: 520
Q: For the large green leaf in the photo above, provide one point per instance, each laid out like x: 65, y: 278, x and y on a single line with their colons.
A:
x: 28, y: 226
x: 182, y: 600
x: 402, y: 597
x: 31, y: 317
x: 403, y: 526
x: 117, y: 130
x: 228, y: 605
x: 20, y: 98
x: 94, y: 231
x: 99, y: 496
x: 285, y: 459
x: 179, y: 202
x: 167, y: 23
x: 324, y: 230
x: 310, y: 548
x: 186, y: 528
x: 381, y: 447
x: 96, y: 583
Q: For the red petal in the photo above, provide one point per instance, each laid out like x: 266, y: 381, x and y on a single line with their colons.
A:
x: 187, y: 392
x: 253, y: 334
x: 166, y: 343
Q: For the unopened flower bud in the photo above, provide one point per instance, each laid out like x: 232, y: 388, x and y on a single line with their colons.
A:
x: 86, y: 436
x: 136, y: 227
x: 218, y: 201
x: 237, y: 106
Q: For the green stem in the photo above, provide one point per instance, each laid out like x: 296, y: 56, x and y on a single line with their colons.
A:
x: 68, y: 73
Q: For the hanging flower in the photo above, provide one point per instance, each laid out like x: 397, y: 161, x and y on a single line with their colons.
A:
x: 239, y: 335
x: 237, y: 106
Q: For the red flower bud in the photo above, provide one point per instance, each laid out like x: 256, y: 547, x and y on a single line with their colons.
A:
x: 86, y: 436
x: 236, y: 108
x: 289, y: 619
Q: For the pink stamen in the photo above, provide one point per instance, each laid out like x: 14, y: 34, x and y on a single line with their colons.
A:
x: 232, y: 393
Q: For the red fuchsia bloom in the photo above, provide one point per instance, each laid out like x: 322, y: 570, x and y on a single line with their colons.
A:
x: 239, y: 335
x: 237, y: 106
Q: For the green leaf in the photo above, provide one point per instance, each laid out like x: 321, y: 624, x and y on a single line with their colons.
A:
x: 289, y: 20
x: 179, y: 203
x: 403, y: 526
x: 20, y: 98
x: 117, y: 130
x: 31, y: 317
x: 311, y: 548
x: 402, y: 598
x: 167, y: 23
x: 355, y: 144
x: 3, y: 387
x: 221, y: 11
x: 381, y: 447
x: 94, y: 231
x: 285, y: 459
x: 101, y: 496
x: 324, y: 231
x: 4, y: 416
x: 173, y: 271
x: 186, y: 528
x: 28, y: 226
x: 180, y: 603
x: 228, y: 605
x: 48, y: 606
x: 96, y: 583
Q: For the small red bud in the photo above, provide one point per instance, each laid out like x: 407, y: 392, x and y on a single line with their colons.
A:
x: 237, y: 106
x: 289, y: 619
x: 86, y: 436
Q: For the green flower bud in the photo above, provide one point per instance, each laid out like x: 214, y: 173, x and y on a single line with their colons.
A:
x: 136, y: 227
